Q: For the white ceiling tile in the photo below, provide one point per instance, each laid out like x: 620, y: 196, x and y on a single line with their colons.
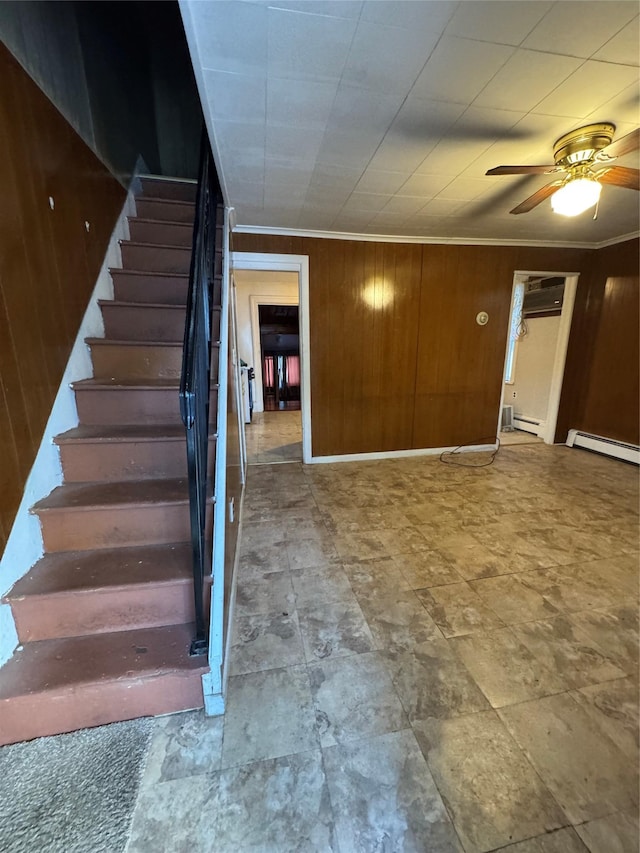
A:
x: 466, y: 188
x: 427, y: 16
x: 375, y: 181
x: 451, y: 157
x: 235, y: 136
x: 387, y: 59
x: 459, y: 69
x: 307, y: 47
x: 329, y: 175
x: 307, y: 105
x: 405, y: 204
x: 231, y: 36
x: 592, y: 84
x: 324, y: 197
x: 366, y: 201
x: 443, y: 206
x: 580, y: 29
x: 245, y: 192
x: 623, y: 108
x: 426, y: 185
x: 328, y: 8
x: 349, y: 150
x: 236, y: 97
x: 286, y: 175
x: 623, y: 47
x: 287, y: 140
x: 503, y: 22
x: 370, y: 112
x: 525, y: 79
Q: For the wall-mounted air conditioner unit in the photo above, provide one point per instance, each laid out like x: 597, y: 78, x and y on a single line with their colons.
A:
x: 506, y: 420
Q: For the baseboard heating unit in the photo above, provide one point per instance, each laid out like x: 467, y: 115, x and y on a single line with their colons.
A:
x: 527, y: 424
x: 618, y: 449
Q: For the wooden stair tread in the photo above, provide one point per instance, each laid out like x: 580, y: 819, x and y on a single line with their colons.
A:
x: 132, y: 384
x: 93, y: 433
x: 149, y: 220
x: 127, y: 342
x: 49, y: 666
x: 119, y: 303
x: 155, y: 274
x: 139, y: 244
x: 119, y: 494
x: 88, y: 571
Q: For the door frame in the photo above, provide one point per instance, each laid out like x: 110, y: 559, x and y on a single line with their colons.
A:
x: 299, y: 264
x: 547, y: 434
x: 255, y: 301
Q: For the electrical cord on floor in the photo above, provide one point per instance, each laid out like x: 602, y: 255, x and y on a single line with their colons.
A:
x: 447, y: 453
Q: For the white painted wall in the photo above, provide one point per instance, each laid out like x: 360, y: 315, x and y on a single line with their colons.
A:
x: 535, y: 355
x: 24, y: 546
x: 267, y: 286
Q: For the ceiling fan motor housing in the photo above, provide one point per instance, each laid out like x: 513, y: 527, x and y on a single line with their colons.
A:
x: 581, y: 145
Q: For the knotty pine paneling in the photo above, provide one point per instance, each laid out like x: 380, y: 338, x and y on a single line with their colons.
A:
x: 420, y: 372
x: 48, y: 264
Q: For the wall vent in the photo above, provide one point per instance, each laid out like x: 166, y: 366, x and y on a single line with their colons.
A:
x: 607, y: 446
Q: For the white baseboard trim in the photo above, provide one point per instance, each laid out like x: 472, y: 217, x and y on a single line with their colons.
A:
x: 401, y: 454
x: 606, y: 446
x: 24, y: 545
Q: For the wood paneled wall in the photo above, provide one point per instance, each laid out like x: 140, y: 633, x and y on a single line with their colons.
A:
x: 600, y: 393
x: 48, y: 264
x: 417, y: 371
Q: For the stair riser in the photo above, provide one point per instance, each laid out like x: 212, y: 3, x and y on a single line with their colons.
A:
x: 116, y: 406
x: 133, y: 323
x: 177, y: 190
x: 148, y: 208
x: 115, y: 461
x: 85, y: 462
x: 161, y: 233
x: 86, y: 705
x: 73, y: 530
x: 155, y: 258
x: 70, y: 529
x: 163, y: 290
x: 136, y: 362
x: 102, y: 611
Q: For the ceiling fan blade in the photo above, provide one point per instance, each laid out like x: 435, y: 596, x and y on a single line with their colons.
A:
x: 620, y: 176
x: 523, y: 170
x: 538, y: 197
x: 624, y: 145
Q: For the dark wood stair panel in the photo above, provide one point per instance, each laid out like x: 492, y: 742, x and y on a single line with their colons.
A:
x: 56, y: 686
x: 162, y: 209
x: 104, y: 402
x: 160, y: 232
x: 130, y: 321
x: 118, y: 453
x: 159, y: 187
x: 158, y: 288
x: 146, y: 256
x: 70, y: 594
x: 135, y: 359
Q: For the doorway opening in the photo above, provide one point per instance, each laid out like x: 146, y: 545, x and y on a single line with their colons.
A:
x: 539, y: 325
x: 280, y: 357
x: 272, y: 293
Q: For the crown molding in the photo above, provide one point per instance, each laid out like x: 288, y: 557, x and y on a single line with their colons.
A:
x: 452, y: 241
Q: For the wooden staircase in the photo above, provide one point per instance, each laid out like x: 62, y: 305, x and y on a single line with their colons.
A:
x: 104, y: 617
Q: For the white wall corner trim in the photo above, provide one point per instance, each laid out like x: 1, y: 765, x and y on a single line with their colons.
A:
x: 24, y: 545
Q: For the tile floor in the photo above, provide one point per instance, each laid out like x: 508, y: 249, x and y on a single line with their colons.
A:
x: 274, y: 437
x: 426, y: 658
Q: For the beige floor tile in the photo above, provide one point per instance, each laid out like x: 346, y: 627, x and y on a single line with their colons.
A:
x: 457, y: 610
x: 587, y: 773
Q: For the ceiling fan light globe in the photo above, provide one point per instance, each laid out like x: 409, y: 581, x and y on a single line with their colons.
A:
x: 576, y: 196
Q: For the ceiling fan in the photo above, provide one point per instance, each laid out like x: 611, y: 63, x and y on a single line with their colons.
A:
x: 586, y: 155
